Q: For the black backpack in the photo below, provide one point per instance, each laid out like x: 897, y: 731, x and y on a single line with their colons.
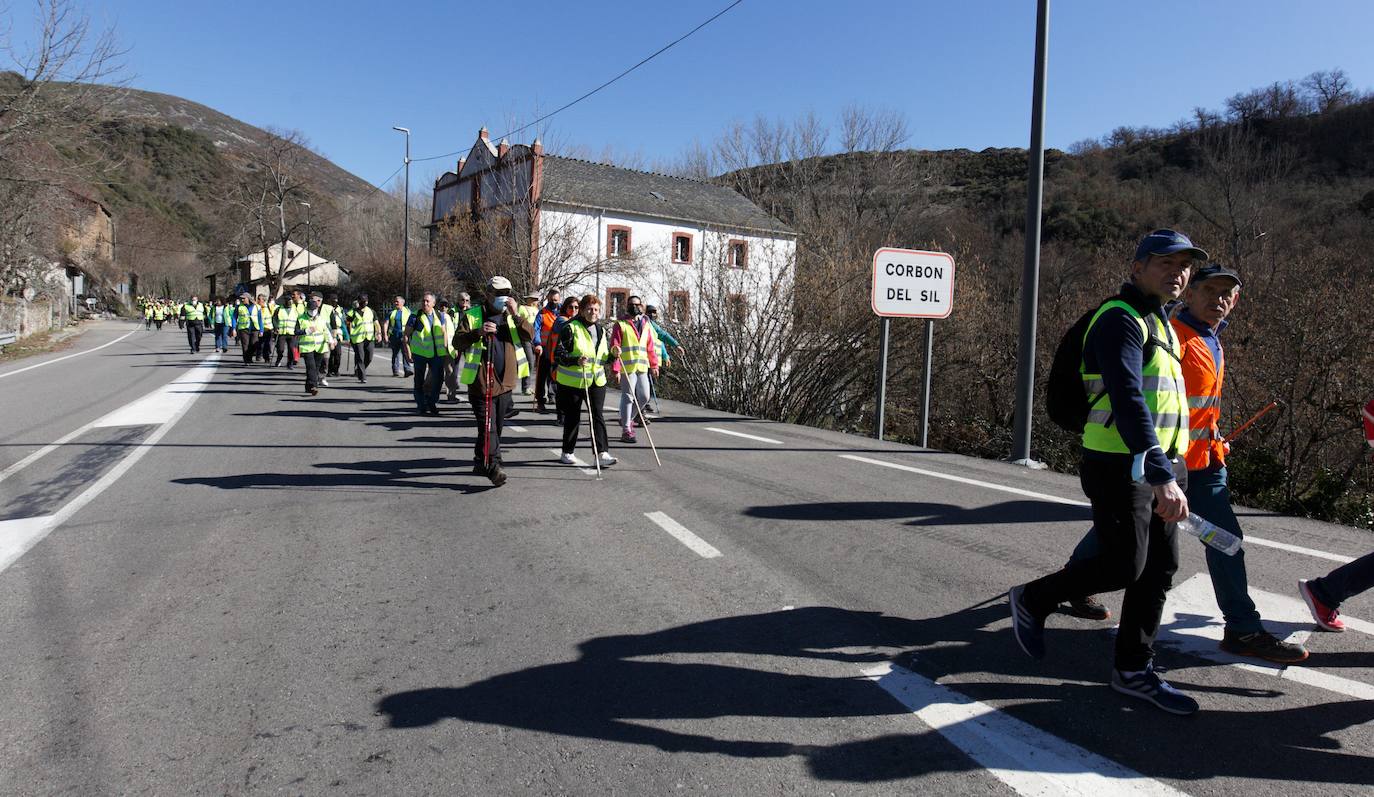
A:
x: 1065, y: 401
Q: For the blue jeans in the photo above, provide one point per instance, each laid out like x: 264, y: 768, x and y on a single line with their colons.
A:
x: 222, y: 336
x: 398, y: 358
x: 427, y: 395
x: 1209, y: 497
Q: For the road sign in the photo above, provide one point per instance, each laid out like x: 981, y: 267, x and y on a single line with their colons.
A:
x: 909, y: 283
x: 1369, y: 423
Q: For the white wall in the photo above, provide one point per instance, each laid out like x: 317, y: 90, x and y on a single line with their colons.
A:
x: 574, y: 240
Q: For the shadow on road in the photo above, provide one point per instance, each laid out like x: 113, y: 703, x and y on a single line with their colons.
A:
x: 923, y: 513
x: 611, y: 693
x: 373, y: 474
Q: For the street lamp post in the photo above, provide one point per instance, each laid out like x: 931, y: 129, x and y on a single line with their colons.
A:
x: 405, y: 246
x: 309, y: 242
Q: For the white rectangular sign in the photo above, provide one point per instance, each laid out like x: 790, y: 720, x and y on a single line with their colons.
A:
x: 908, y: 283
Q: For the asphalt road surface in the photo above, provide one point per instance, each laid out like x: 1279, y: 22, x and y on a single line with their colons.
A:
x: 211, y: 583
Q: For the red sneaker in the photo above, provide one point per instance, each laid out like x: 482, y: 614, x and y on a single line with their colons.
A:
x: 1326, y: 617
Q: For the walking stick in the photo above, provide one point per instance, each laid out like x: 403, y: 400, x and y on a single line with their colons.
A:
x: 489, y: 377
x: 591, y: 427
x: 1236, y: 432
x: 634, y: 400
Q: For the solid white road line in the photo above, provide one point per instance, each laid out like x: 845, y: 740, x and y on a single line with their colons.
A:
x: 975, y: 482
x: 1283, y: 546
x: 703, y: 548
x: 745, y: 436
x: 585, y: 467
x: 196, y: 376
x: 1192, y: 623
x: 517, y: 429
x: 38, y: 528
x: 1029, y: 760
x: 67, y: 357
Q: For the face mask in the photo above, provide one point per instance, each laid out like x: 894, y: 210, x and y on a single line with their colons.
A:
x: 498, y: 303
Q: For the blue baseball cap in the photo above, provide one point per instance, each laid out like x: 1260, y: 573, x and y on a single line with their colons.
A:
x: 1167, y: 242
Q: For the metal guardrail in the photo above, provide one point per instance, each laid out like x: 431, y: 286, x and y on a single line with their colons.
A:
x: 6, y: 338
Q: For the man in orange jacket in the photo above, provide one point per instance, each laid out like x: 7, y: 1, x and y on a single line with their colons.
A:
x: 1210, y: 297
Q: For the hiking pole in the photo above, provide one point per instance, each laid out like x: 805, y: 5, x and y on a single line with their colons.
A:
x: 488, y: 376
x: 1236, y: 432
x: 647, y: 433
x: 591, y: 427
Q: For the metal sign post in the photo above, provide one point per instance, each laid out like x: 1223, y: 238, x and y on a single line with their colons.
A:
x: 909, y: 283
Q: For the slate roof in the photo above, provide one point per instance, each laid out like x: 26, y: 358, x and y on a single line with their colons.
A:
x: 582, y: 183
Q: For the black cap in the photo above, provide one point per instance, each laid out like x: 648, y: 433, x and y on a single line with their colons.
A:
x: 1212, y: 270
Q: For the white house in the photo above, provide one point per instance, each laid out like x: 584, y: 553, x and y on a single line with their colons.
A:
x: 304, y: 269
x: 684, y: 245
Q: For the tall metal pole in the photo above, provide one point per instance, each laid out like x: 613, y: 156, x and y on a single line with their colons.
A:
x: 309, y: 244
x: 882, y: 373
x: 1030, y: 273
x: 405, y: 247
x: 925, y: 392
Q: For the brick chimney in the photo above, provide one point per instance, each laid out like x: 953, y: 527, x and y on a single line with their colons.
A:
x: 502, y: 148
x: 461, y: 161
x: 537, y: 147
x: 484, y: 133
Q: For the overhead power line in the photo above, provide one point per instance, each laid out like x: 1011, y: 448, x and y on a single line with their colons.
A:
x: 665, y: 48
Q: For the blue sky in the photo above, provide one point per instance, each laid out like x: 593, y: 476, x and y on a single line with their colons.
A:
x: 344, y: 72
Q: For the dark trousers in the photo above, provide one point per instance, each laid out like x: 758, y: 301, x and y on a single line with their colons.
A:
x: 362, y: 358
x: 248, y: 342
x: 570, y: 400
x: 194, y: 329
x: 286, y: 347
x: 427, y: 394
x: 335, y: 357
x: 264, y: 351
x: 1137, y: 551
x: 500, y: 405
x: 314, y: 364
x: 158, y: 321
x: 1346, y: 581
x: 543, y: 382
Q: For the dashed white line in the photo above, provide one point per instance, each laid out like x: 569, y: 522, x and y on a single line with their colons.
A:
x: 518, y: 429
x: 1283, y: 546
x: 67, y: 357
x: 680, y: 532
x: 1017, y: 753
x: 745, y: 436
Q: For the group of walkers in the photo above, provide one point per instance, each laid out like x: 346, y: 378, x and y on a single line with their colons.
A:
x: 1152, y: 370
x: 560, y: 352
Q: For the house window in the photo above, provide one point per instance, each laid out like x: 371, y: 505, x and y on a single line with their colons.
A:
x: 290, y: 253
x: 682, y: 247
x: 678, y: 307
x: 738, y: 307
x: 739, y: 254
x: 617, y: 299
x: 617, y: 241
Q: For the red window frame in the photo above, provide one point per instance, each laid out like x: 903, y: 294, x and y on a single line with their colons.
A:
x: 743, y: 260
x: 673, y: 253
x: 612, y: 310
x: 611, y: 230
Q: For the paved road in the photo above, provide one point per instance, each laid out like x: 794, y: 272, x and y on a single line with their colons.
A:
x: 215, y: 584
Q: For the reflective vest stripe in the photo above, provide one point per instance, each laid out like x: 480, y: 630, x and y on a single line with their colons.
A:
x: 593, y: 374
x: 472, y: 361
x: 1161, y: 385
x: 1204, y: 377
x: 422, y: 341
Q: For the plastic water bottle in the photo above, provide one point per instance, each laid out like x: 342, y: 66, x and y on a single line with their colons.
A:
x: 1210, y: 533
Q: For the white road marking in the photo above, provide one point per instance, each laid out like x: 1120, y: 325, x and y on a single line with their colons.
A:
x: 585, y: 467
x: 1027, y: 759
x: 680, y: 532
x: 166, y: 402
x: 195, y: 377
x: 32, y: 530
x: 67, y: 357
x: 1193, y: 623
x: 1283, y: 546
x: 975, y: 482
x: 745, y: 436
x: 518, y: 429
x: 17, y: 536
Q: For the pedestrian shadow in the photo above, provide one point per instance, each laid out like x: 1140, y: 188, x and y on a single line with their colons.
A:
x: 626, y: 689
x: 924, y: 513
x: 374, y: 475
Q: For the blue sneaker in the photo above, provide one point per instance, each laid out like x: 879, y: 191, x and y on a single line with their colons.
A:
x: 1149, y: 686
x: 1028, y: 629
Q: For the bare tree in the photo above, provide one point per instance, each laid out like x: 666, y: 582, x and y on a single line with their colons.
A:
x: 1329, y: 90
x: 47, y: 100
x: 269, y: 196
